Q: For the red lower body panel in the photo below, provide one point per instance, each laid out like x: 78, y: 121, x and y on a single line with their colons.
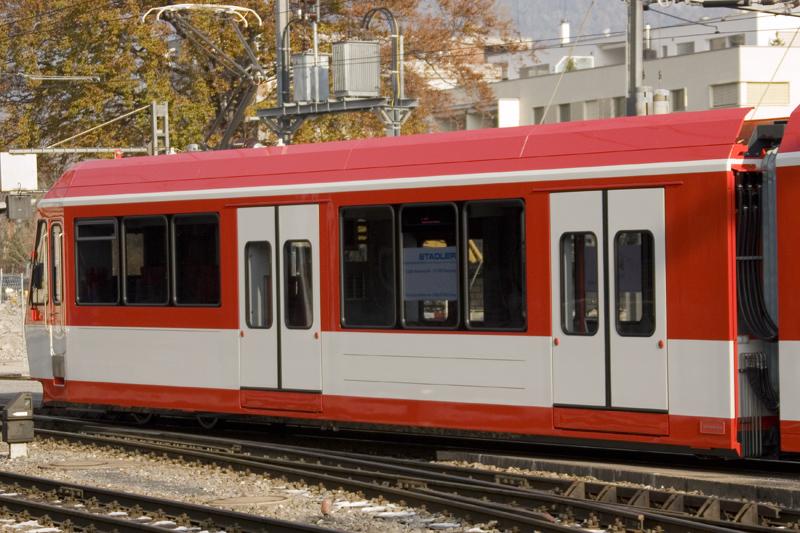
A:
x: 561, y: 423
x: 790, y: 436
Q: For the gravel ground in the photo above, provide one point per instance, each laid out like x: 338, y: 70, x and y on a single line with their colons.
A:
x: 206, y: 485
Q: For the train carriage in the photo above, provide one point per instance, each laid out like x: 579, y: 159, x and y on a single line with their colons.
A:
x: 610, y: 282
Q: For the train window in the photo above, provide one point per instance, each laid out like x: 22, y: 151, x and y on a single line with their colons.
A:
x: 195, y: 257
x: 495, y: 264
x: 298, y: 285
x: 97, y: 261
x: 580, y: 310
x: 258, y: 283
x: 429, y: 281
x: 39, y: 267
x: 634, y: 283
x: 368, y: 266
x: 56, y: 243
x: 146, y: 268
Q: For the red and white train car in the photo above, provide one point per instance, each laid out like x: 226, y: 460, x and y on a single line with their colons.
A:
x: 611, y: 282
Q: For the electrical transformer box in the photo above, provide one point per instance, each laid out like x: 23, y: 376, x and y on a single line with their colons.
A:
x: 307, y: 76
x: 357, y: 69
x: 18, y: 172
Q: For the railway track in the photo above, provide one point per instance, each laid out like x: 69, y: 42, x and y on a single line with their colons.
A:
x: 55, y: 505
x: 525, y: 503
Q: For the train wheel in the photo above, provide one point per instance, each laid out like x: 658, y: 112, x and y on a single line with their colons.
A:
x: 142, y: 419
x: 206, y: 421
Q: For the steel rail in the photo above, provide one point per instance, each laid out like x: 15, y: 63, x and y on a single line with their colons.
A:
x: 710, y: 509
x: 492, y: 502
x: 198, y: 514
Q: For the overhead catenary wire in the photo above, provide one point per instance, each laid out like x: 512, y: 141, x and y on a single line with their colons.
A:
x: 81, y: 134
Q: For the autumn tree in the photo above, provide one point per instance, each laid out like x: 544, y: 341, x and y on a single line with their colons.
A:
x: 134, y: 63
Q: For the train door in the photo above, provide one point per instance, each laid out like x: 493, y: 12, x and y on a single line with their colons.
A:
x: 609, y: 299
x: 301, y: 352
x: 56, y: 318
x: 279, y: 314
x: 258, y: 341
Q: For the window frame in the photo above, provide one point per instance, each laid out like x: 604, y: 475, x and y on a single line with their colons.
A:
x: 395, y: 312
x: 43, y: 223
x: 124, y: 261
x: 464, y: 259
x: 53, y: 277
x: 271, y: 295
x: 400, y: 272
x: 86, y: 222
x: 653, y: 286
x: 285, y: 288
x: 173, y: 279
x: 562, y: 283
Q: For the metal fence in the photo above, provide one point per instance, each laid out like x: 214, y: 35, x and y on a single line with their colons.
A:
x: 13, y: 287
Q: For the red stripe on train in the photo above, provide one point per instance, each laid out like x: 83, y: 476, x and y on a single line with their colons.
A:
x: 664, y: 429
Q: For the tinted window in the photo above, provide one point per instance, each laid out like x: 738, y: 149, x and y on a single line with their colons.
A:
x: 57, y: 257
x: 39, y: 267
x: 299, y: 288
x: 635, y: 283
x: 97, y: 261
x: 146, y: 270
x: 429, y: 241
x: 196, y: 259
x: 579, y: 288
x: 258, y: 284
x: 495, y: 258
x: 368, y: 265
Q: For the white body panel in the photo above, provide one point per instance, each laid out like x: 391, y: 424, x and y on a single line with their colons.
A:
x: 170, y: 357
x: 789, y: 371
x: 37, y: 344
x: 579, y: 361
x: 301, y: 352
x: 639, y: 364
x: 258, y: 348
x: 701, y: 378
x: 488, y: 369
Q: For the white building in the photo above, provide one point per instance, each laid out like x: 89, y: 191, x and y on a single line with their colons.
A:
x: 737, y: 62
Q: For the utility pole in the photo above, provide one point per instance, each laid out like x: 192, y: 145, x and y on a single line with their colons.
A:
x: 634, y: 57
x: 281, y: 21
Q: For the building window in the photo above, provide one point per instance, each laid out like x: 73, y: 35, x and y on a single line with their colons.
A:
x: 717, y: 43
x: 368, y: 266
x: 39, y: 275
x: 196, y: 269
x: 580, y: 307
x: 97, y: 261
x: 678, y: 99
x: 634, y: 283
x: 775, y: 93
x: 725, y: 95
x: 429, y: 242
x: 591, y: 110
x: 538, y: 115
x: 258, y: 284
x: 685, y: 48
x: 564, y: 112
x: 736, y: 40
x: 298, y: 284
x: 495, y: 264
x: 56, y: 258
x: 146, y: 267
x: 620, y: 106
